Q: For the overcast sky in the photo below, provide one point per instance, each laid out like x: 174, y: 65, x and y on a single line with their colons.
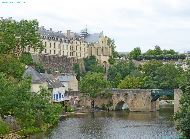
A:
x: 132, y: 23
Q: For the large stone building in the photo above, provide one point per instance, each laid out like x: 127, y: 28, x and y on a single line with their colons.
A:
x: 77, y: 45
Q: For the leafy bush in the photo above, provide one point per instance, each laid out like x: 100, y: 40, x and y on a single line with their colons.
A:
x: 4, y: 128
x: 29, y: 131
x: 70, y: 109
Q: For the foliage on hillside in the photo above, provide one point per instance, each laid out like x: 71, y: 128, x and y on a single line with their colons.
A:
x: 151, y: 75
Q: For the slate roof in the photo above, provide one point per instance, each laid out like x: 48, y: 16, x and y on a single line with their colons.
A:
x: 52, y: 81
x: 36, y: 76
x: 65, y: 77
x: 50, y: 33
x: 93, y: 38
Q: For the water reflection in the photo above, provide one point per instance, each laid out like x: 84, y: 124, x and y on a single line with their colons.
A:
x: 117, y: 125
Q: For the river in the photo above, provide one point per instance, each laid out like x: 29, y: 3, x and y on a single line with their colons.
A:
x: 116, y: 125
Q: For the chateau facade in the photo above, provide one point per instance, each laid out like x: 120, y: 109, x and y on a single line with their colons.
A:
x: 76, y: 45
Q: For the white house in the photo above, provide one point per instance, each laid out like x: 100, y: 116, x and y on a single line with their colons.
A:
x: 57, y: 88
x: 47, y: 81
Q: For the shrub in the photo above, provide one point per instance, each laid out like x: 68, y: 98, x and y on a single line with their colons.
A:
x: 4, y: 128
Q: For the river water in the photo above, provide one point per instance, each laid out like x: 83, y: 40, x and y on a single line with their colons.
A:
x: 117, y: 125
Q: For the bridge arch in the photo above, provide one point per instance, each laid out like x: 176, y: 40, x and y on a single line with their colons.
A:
x: 121, y: 105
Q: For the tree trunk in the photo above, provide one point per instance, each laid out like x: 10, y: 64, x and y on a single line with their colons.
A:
x: 92, y: 103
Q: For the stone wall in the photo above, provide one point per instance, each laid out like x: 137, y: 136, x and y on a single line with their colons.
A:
x: 177, y: 96
x: 58, y: 63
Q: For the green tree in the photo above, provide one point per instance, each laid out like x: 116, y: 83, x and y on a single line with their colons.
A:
x: 33, y: 112
x: 115, y: 54
x: 92, y: 85
x: 135, y: 53
x: 11, y: 66
x: 15, y: 36
x: 182, y: 117
x: 167, y: 76
x: 39, y: 67
x: 119, y: 71
x: 150, y: 67
x: 131, y: 82
x: 26, y: 58
x: 92, y: 65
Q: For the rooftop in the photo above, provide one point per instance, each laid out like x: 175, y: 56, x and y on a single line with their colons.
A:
x: 36, y: 76
x: 52, y: 81
x: 93, y: 38
x: 65, y: 77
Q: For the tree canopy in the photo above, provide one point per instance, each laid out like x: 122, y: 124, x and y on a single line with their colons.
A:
x: 33, y: 111
x: 15, y: 36
x: 93, y: 84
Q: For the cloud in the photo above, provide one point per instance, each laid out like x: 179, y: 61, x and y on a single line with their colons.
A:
x: 131, y: 23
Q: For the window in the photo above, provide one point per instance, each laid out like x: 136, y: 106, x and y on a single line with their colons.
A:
x: 80, y: 48
x: 59, y: 95
x: 45, y: 44
x: 29, y: 49
x: 56, y: 96
x: 50, y: 44
x: 76, y: 48
x: 63, y: 52
x: 54, y: 51
x: 54, y: 44
x: 102, y: 41
x: 50, y: 51
x: 45, y: 50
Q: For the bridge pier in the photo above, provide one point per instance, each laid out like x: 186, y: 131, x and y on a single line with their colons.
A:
x: 177, y: 96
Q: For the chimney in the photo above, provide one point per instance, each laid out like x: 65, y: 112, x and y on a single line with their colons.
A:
x: 68, y: 33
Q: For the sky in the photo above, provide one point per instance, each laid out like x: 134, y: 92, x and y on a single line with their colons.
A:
x: 131, y: 23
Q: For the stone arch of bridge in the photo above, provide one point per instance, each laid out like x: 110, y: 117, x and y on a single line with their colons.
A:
x: 121, y: 105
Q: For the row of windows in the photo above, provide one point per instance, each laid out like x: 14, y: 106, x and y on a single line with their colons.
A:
x: 71, y: 47
x: 71, y: 53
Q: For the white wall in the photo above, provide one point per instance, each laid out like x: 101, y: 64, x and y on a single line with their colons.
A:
x: 58, y: 94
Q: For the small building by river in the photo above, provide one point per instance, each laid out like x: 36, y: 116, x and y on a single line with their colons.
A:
x: 47, y: 81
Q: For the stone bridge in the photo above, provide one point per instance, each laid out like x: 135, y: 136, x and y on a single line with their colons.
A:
x: 133, y: 99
